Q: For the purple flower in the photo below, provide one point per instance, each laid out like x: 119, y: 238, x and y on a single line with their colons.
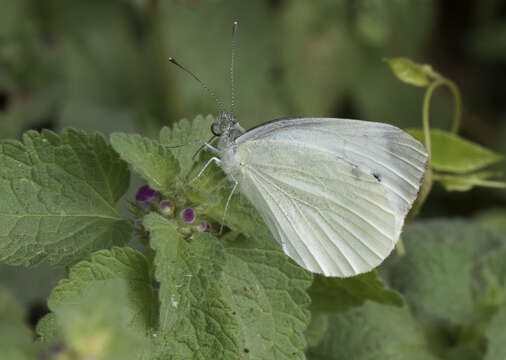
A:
x: 204, y: 227
x: 166, y: 207
x: 145, y: 196
x: 188, y: 215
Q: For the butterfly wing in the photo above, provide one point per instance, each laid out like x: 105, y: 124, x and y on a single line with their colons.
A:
x: 333, y: 192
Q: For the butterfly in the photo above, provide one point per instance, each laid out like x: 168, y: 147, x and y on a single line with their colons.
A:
x: 333, y: 192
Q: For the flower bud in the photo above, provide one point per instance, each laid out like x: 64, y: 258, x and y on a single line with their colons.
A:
x: 145, y: 196
x: 166, y: 207
x: 188, y: 215
x: 204, y: 226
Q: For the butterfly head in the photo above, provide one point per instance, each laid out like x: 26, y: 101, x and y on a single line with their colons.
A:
x: 226, y: 125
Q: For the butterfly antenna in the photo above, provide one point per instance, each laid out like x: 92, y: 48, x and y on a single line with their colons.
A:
x: 221, y: 107
x: 232, y: 82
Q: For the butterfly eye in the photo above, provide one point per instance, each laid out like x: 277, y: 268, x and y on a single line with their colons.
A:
x: 214, y: 129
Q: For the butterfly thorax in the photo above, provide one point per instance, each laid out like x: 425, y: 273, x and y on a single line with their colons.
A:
x: 229, y: 130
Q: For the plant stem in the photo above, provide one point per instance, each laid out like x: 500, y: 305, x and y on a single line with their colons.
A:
x: 457, y: 100
x: 491, y: 184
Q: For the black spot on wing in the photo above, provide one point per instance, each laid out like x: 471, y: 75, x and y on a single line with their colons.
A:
x: 377, y: 176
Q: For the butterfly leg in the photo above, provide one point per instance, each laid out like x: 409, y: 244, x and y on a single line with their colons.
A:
x: 215, y: 159
x: 226, y: 204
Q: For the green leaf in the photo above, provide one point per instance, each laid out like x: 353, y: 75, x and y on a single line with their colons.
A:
x: 255, y: 292
x: 268, y: 297
x: 372, y: 331
x: 496, y: 336
x: 98, y: 324
x: 339, y: 294
x: 118, y: 263
x: 184, y: 132
x: 195, y: 319
x: 58, y: 197
x: 491, y: 281
x: 410, y: 72
x: 435, y: 273
x: 148, y: 158
x: 453, y: 154
x: 16, y: 338
x: 465, y: 182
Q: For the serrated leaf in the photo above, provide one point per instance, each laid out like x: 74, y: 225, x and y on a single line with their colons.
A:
x: 372, y: 331
x: 465, y: 182
x: 339, y: 294
x: 195, y: 319
x: 435, y: 273
x: 454, y: 154
x: 268, y: 297
x: 16, y: 338
x: 184, y: 132
x: 58, y: 196
x: 148, y: 158
x: 496, y: 336
x: 409, y: 72
x: 256, y: 293
x: 118, y: 263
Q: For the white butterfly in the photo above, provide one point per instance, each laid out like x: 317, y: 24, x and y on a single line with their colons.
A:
x: 333, y: 192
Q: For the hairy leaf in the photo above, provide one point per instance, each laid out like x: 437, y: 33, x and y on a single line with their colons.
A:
x: 454, y: 154
x: 58, y: 197
x: 195, y: 319
x: 149, y: 159
x: 339, y: 294
x: 186, y: 133
x: 435, y: 273
x: 118, y: 263
x: 496, y: 336
x: 98, y: 326
x: 256, y: 293
x: 268, y: 298
x: 372, y: 331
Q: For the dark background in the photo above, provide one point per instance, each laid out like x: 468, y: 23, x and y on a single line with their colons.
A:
x: 103, y: 66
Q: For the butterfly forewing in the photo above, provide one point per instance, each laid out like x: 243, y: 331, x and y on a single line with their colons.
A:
x: 333, y: 192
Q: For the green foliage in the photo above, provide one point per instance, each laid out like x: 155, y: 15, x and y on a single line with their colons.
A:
x: 250, y: 292
x: 496, y: 336
x: 59, y: 196
x: 373, y: 331
x: 152, y: 161
x: 466, y: 182
x: 454, y: 154
x: 97, y: 325
x: 98, y: 65
x: 336, y: 294
x: 435, y: 273
x: 185, y: 132
x: 194, y: 316
x: 410, y: 72
x: 123, y: 264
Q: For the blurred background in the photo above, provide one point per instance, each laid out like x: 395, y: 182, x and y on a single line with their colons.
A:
x: 103, y: 66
